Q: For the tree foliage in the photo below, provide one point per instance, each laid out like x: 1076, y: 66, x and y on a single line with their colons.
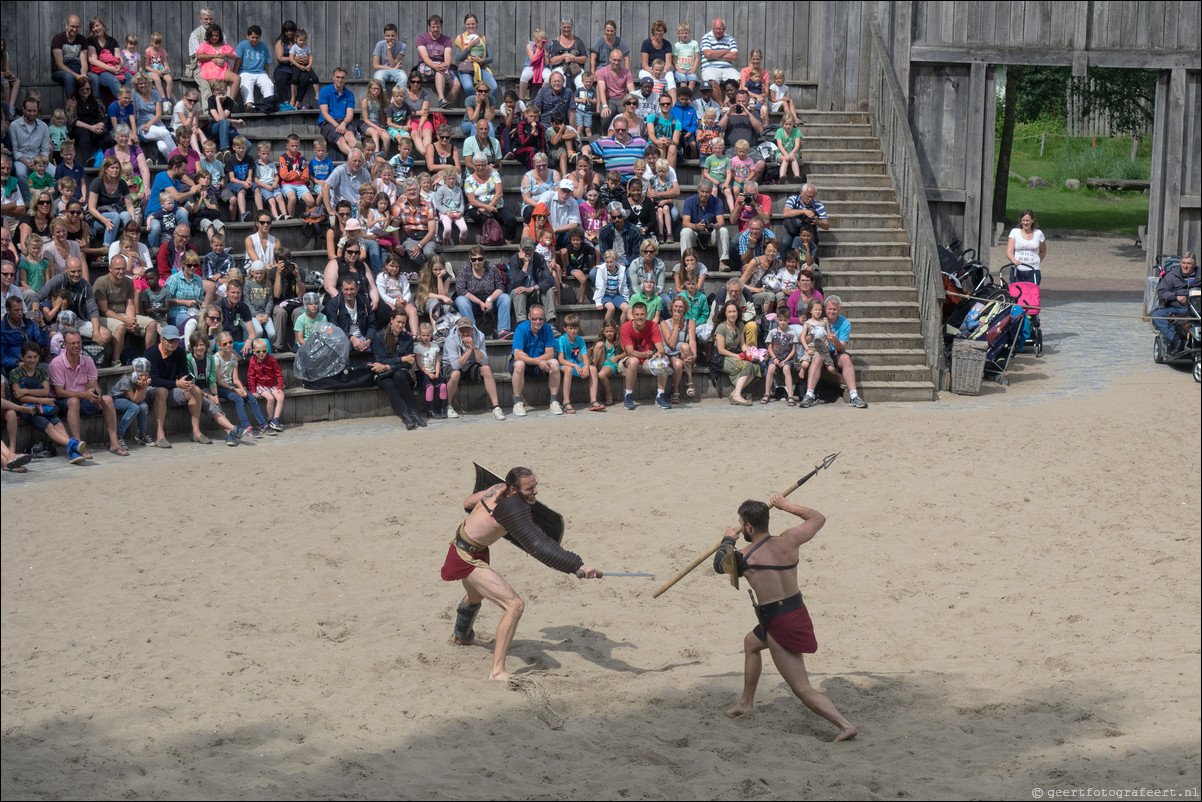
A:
x: 1128, y: 97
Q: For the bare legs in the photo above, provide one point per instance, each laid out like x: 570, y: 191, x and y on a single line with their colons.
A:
x: 793, y: 668
x: 485, y: 583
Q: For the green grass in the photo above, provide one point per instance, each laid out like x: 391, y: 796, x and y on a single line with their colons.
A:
x: 1077, y: 157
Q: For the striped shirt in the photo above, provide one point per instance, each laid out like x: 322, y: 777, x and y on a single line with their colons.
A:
x: 620, y: 157
x: 710, y: 42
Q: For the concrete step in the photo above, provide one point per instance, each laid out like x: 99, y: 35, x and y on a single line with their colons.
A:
x: 873, y: 221
x: 841, y: 141
x: 848, y: 179
x: 840, y: 165
x: 891, y: 326
x: 841, y: 263
x: 822, y: 129
x: 867, y: 278
x: 864, y: 355
x: 854, y: 293
x: 870, y: 310
x: 877, y: 392
x: 819, y: 156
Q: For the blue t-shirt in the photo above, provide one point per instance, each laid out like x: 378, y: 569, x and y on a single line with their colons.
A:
x: 533, y: 346
x: 254, y: 59
x: 336, y: 102
x: 842, y: 330
x: 161, y: 181
x: 123, y: 115
x: 320, y: 170
x: 572, y: 350
x: 696, y: 214
x: 76, y: 172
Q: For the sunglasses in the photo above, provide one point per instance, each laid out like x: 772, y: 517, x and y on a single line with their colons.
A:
x: 630, y: 103
x: 212, y: 317
x: 537, y: 319
x: 259, y: 353
x: 352, y: 250
x: 75, y: 211
x: 264, y: 222
x: 477, y: 259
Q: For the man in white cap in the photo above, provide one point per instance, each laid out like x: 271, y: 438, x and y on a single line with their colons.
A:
x: 464, y: 357
x: 563, y: 209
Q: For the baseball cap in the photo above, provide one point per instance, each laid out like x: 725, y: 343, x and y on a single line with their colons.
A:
x: 566, y: 184
x: 704, y: 85
x: 352, y: 225
x: 465, y: 323
x: 169, y: 333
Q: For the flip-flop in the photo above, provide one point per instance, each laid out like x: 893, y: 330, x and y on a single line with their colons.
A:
x: 596, y: 406
x: 120, y: 452
x: 18, y: 465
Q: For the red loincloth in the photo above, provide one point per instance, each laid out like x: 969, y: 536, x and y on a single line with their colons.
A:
x: 794, y: 630
x: 455, y: 567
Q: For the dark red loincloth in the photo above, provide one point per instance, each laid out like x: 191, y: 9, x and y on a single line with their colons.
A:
x: 794, y: 630
x: 455, y: 567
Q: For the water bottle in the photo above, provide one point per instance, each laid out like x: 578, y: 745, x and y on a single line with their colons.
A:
x: 356, y: 72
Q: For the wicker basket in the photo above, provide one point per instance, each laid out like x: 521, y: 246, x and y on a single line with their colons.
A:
x: 968, y: 366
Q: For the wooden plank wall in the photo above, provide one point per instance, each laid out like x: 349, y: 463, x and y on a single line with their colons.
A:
x: 790, y: 34
x: 1175, y: 209
x: 1164, y: 25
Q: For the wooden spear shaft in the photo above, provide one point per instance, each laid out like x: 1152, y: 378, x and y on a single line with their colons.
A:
x: 825, y: 463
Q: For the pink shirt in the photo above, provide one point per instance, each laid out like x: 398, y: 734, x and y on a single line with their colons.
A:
x: 215, y: 70
x: 615, y: 82
x: 73, y: 380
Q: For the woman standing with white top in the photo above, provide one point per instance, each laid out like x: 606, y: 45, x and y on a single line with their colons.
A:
x: 1026, y: 246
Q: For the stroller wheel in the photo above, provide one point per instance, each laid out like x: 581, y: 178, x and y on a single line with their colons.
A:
x: 1003, y: 380
x: 1198, y: 369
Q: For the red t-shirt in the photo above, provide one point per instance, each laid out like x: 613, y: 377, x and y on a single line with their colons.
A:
x: 644, y: 340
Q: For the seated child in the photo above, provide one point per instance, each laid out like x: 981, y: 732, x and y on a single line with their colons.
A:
x: 572, y: 352
x: 266, y: 382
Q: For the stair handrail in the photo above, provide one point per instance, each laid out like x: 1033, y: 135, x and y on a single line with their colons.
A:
x: 890, y: 120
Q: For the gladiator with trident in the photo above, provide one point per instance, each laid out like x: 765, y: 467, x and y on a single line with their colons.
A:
x: 769, y: 564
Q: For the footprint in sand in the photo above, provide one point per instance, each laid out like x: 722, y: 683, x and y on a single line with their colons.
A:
x: 540, y: 703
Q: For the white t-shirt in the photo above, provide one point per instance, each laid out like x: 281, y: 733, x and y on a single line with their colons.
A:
x: 1026, y: 251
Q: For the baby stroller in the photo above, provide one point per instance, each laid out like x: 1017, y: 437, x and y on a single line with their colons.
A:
x: 963, y: 276
x: 998, y: 322
x: 1026, y: 294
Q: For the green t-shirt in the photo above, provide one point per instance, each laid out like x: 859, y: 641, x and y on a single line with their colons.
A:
x: 717, y: 166
x: 654, y: 304
x: 305, y: 325
x: 784, y: 141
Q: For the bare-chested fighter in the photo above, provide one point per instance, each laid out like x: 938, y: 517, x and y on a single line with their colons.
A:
x: 769, y: 564
x: 501, y: 509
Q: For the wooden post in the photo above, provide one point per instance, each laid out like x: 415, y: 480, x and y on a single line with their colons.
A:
x: 1042, y: 141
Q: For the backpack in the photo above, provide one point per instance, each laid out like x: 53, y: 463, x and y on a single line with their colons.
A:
x: 491, y: 233
x: 268, y: 104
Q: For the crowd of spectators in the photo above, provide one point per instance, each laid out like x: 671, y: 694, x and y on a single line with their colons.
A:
x: 600, y: 139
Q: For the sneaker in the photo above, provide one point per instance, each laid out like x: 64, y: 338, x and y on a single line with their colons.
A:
x: 556, y: 408
x: 231, y: 439
x: 628, y: 402
x: 242, y: 431
x: 443, y: 103
x: 145, y: 439
x: 267, y: 430
x: 450, y: 412
x: 121, y: 444
x: 442, y: 413
x: 857, y: 402
x: 662, y: 402
x: 497, y: 413
x: 519, y: 409
x: 287, y: 107
x: 274, y: 425
x: 808, y: 401
x: 74, y: 457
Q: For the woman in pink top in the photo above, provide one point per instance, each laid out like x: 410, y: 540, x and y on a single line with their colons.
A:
x: 216, y: 59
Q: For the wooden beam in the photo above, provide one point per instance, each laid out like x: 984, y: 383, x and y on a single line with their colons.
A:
x: 1141, y: 59
x: 939, y: 195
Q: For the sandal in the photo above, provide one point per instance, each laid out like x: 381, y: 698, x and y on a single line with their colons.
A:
x: 675, y: 398
x: 596, y: 406
x: 568, y: 409
x: 18, y: 465
x: 792, y: 401
x: 120, y: 452
x: 765, y: 400
x: 690, y: 390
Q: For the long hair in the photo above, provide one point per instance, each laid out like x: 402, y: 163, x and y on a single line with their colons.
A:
x: 516, y: 475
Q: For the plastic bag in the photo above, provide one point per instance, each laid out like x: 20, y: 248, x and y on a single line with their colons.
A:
x: 325, y: 353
